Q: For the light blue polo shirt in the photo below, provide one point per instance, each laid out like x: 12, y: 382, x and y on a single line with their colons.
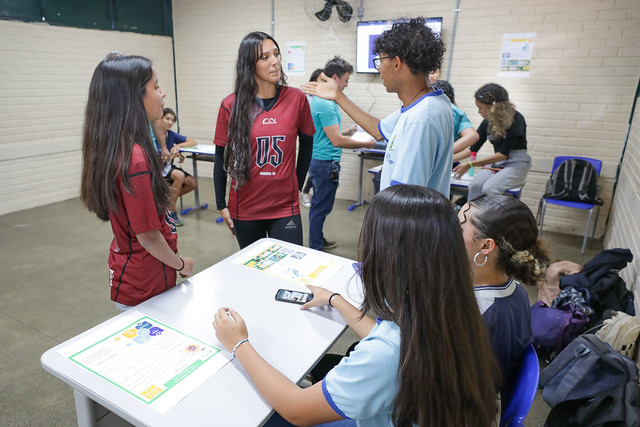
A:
x: 325, y: 113
x: 420, y: 144
x: 364, y: 384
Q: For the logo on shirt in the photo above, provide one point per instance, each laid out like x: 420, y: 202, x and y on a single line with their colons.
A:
x: 269, y: 121
x: 269, y: 151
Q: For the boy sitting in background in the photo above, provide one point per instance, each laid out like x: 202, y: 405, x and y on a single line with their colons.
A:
x: 181, y: 181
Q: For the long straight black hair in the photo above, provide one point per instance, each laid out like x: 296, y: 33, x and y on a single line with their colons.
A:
x: 416, y: 273
x: 115, y: 119
x: 237, y: 155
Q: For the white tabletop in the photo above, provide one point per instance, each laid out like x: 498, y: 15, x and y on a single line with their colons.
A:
x: 292, y: 340
x: 209, y: 149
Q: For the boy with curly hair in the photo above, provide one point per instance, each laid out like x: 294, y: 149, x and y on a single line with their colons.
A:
x: 420, y: 134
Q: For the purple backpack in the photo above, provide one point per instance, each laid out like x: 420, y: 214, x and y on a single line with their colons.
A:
x: 554, y: 328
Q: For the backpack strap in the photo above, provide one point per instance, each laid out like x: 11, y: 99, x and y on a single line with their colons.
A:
x: 587, y: 173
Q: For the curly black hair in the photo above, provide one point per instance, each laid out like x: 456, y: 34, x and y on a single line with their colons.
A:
x: 414, y: 43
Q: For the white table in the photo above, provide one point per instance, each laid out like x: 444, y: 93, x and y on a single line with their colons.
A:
x: 461, y: 186
x: 206, y: 153
x: 290, y: 339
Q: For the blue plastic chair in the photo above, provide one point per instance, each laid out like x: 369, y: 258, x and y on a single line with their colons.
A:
x: 597, y: 165
x: 524, y: 391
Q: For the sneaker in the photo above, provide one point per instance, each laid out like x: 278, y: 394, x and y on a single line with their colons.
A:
x: 177, y: 221
x: 328, y: 244
x: 305, y: 200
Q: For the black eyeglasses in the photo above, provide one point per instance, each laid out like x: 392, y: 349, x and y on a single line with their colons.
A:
x: 376, y: 61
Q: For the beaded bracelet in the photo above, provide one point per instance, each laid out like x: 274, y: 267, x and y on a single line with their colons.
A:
x: 238, y: 345
x: 332, y: 295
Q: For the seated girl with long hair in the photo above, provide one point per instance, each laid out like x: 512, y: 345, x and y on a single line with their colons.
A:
x: 426, y: 360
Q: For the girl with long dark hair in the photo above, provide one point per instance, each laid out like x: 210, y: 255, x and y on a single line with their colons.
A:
x: 501, y: 236
x: 255, y: 138
x: 122, y: 180
x: 506, y: 129
x: 426, y: 360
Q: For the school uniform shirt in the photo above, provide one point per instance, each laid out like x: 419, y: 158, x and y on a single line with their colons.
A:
x: 460, y: 121
x: 514, y: 139
x: 420, y: 144
x: 506, y: 314
x: 134, y: 274
x: 364, y: 384
x: 272, y: 189
x: 173, y: 139
x: 325, y: 113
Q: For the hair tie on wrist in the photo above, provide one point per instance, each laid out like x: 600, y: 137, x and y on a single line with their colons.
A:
x: 332, y: 295
x: 181, y: 268
x: 470, y: 164
x: 233, y: 353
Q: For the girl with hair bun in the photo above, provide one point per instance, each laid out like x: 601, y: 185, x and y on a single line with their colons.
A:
x: 506, y: 130
x: 501, y: 237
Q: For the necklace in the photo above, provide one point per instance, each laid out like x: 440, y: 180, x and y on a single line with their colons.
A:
x: 414, y: 96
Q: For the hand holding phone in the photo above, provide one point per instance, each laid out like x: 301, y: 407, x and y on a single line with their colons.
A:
x: 294, y: 297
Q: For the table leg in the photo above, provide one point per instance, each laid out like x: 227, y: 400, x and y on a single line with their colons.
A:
x: 360, y: 202
x: 85, y: 410
x: 196, y: 192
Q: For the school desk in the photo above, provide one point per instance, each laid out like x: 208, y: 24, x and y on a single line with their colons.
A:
x: 292, y: 340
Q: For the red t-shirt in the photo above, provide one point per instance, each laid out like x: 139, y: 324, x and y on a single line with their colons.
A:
x: 134, y: 274
x: 272, y: 189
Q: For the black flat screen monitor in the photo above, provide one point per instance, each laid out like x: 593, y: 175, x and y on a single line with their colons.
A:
x: 368, y: 31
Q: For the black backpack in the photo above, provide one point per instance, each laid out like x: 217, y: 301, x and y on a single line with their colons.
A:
x: 574, y: 180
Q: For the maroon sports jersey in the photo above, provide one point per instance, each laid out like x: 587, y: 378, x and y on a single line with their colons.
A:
x: 272, y: 189
x: 134, y: 274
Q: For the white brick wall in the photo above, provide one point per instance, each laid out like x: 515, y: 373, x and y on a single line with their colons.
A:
x: 44, y: 81
x: 586, y: 62
x: 624, y: 225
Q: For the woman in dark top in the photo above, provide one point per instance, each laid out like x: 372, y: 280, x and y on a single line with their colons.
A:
x: 506, y: 130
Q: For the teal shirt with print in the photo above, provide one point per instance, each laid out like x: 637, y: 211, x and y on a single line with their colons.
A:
x: 325, y: 113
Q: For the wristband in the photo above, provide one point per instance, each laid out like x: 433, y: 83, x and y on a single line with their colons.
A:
x: 238, y: 345
x: 181, y: 268
x: 332, y: 295
x: 470, y: 164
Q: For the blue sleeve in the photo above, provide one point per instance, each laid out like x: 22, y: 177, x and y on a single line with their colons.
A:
x: 174, y: 138
x: 386, y: 125
x: 364, y: 384
x: 460, y: 121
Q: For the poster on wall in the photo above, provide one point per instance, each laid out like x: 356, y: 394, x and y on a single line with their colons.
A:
x: 296, y: 52
x: 516, y: 54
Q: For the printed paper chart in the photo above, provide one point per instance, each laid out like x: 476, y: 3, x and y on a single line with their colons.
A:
x: 147, y: 359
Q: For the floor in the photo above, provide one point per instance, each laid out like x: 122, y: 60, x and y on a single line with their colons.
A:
x: 54, y: 286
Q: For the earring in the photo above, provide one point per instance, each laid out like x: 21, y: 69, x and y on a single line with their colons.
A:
x: 475, y: 259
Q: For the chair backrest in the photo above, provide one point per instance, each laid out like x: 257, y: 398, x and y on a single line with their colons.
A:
x: 597, y: 164
x: 524, y: 391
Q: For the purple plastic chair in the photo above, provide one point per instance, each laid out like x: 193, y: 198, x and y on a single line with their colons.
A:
x: 524, y: 392
x: 597, y: 165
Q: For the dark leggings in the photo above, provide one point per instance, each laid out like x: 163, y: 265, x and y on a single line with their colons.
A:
x: 288, y: 229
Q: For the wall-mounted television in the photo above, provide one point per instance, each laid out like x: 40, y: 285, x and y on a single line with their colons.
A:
x: 368, y: 31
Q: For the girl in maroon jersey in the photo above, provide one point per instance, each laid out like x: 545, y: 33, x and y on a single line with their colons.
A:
x: 122, y: 179
x: 256, y: 133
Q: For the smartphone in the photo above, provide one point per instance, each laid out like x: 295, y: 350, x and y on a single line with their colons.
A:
x: 294, y: 297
